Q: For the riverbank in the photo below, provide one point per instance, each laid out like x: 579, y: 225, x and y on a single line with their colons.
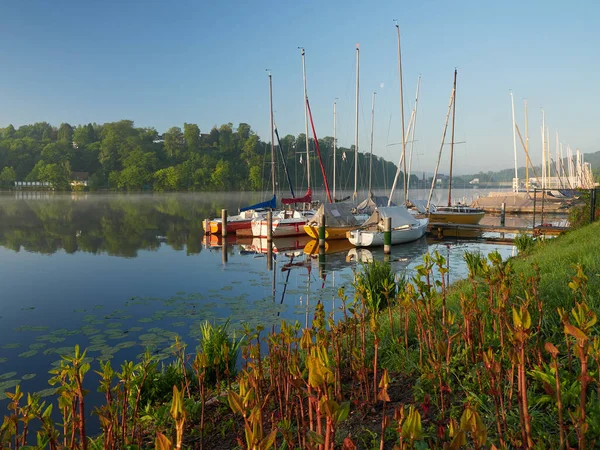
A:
x: 468, y: 364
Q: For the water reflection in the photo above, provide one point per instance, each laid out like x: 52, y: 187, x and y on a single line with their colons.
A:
x: 63, y: 286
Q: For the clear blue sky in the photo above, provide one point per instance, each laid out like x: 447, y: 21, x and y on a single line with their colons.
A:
x: 165, y: 63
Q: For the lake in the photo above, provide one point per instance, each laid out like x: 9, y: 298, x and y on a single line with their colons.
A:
x: 121, y: 273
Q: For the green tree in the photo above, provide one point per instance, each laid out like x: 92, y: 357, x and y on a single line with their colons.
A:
x: 8, y: 176
x: 65, y: 133
x: 191, y: 134
x: 166, y: 179
x: 56, y: 174
x: 9, y: 132
x: 174, y: 143
x: 221, y: 176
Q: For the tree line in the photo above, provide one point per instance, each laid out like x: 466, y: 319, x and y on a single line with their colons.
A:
x: 118, y: 155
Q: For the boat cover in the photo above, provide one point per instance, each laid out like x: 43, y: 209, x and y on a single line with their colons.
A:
x: 374, y: 201
x: 269, y: 204
x: 399, y: 215
x: 336, y: 215
x: 306, y: 199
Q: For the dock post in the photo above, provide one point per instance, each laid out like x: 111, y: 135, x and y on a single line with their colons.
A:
x: 387, y: 235
x: 542, y: 213
x: 224, y: 250
x: 593, y: 205
x: 503, y: 214
x: 322, y: 231
x: 534, y: 202
x: 269, y: 226
x: 224, y: 223
x: 206, y: 227
x: 269, y: 255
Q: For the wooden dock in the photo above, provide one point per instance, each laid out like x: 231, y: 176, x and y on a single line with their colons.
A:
x: 472, y: 231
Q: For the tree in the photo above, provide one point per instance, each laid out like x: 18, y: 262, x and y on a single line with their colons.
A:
x: 9, y: 132
x: 174, y: 143
x: 166, y: 179
x: 58, y: 175
x: 84, y: 135
x: 8, y: 176
x: 191, y: 134
x: 65, y: 133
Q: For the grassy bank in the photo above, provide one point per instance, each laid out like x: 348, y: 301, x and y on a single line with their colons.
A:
x: 509, y: 357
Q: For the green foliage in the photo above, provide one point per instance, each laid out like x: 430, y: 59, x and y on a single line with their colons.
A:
x: 221, y: 349
x: 377, y: 283
x: 580, y: 215
x: 8, y: 176
x: 524, y: 242
x: 121, y: 156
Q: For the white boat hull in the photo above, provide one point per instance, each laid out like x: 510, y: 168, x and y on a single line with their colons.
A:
x: 402, y: 235
x: 285, y: 223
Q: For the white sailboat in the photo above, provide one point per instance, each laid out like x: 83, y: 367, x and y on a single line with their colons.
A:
x: 290, y: 222
x: 405, y: 227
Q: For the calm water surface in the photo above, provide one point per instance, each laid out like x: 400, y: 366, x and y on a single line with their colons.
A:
x: 121, y: 273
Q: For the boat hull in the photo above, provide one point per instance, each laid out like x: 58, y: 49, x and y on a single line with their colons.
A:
x: 470, y: 218
x: 215, y: 226
x: 374, y: 238
x: 331, y: 233
x: 281, y: 227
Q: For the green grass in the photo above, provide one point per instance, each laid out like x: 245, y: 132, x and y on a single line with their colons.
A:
x: 555, y: 259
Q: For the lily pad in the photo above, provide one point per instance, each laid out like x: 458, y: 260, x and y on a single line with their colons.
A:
x: 126, y: 344
x: 11, y: 345
x: 6, y: 376
x: 37, y: 346
x: 46, y: 392
x: 29, y: 376
x: 28, y: 354
x: 145, y: 320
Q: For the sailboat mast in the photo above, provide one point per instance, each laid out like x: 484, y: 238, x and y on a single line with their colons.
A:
x: 526, y: 148
x: 306, y: 121
x: 543, y: 150
x: 437, y: 165
x: 516, y: 181
x: 412, y: 139
x: 334, y: 145
x: 371, y: 149
x: 402, y: 113
x: 548, y: 158
x: 355, y: 195
x: 452, y: 143
x: 272, y: 132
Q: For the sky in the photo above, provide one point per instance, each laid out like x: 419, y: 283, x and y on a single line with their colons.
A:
x: 165, y: 63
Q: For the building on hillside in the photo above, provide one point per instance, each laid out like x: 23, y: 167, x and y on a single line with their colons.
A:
x: 79, y: 179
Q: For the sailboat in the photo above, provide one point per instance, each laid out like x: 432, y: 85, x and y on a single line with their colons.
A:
x: 291, y: 222
x: 249, y: 214
x: 340, y: 217
x: 405, y: 226
x: 457, y: 213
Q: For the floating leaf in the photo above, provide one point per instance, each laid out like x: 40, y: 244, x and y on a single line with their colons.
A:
x: 6, y: 376
x: 28, y: 354
x: 46, y: 392
x: 126, y: 344
x: 37, y: 346
x: 12, y: 345
x: 29, y: 376
x: 145, y: 320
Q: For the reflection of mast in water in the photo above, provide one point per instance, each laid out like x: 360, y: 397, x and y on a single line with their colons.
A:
x: 307, y: 298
